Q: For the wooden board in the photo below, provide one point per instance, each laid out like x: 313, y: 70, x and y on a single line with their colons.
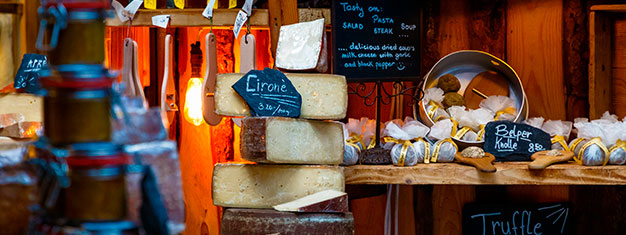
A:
x: 192, y: 17
x: 575, y: 61
x: 618, y: 67
x: 534, y: 50
x: 510, y: 173
x: 599, y: 64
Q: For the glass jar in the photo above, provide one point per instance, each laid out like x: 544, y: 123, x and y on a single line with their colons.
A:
x: 97, y: 190
x: 77, y: 106
x: 77, y: 32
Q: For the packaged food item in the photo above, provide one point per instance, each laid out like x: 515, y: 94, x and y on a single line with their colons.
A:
x: 502, y: 106
x: 404, y: 152
x: 559, y: 131
x: 482, y: 117
x: 352, y: 148
x: 588, y: 148
x: 465, y: 121
x: 536, y: 122
x: 444, y: 149
x: 433, y: 98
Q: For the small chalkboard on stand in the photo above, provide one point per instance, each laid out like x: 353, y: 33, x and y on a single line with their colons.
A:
x: 28, y: 74
x: 541, y: 218
x: 269, y: 93
x: 378, y: 41
x: 509, y: 141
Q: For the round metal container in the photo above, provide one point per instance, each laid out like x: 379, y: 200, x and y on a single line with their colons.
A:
x: 97, y: 190
x: 465, y: 65
x: 77, y: 107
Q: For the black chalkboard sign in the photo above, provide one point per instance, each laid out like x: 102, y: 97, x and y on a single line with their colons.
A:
x: 28, y: 74
x: 529, y: 219
x: 376, y: 40
x: 509, y: 141
x: 269, y: 93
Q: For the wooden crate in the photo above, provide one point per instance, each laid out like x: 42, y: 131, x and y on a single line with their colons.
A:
x: 607, y: 60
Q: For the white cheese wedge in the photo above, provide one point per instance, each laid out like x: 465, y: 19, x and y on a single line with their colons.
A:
x: 291, y: 140
x: 299, y: 45
x: 324, y: 201
x: 263, y: 186
x: 324, y: 96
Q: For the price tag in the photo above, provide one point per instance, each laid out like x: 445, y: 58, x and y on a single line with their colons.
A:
x: 509, y: 141
x: 128, y: 12
x: 150, y: 4
x: 161, y: 21
x: 247, y: 7
x: 269, y: 92
x: 28, y: 74
x: 239, y: 21
x: 180, y: 4
x: 208, y: 11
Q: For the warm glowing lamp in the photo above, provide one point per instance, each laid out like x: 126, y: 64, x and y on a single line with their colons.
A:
x: 193, y: 98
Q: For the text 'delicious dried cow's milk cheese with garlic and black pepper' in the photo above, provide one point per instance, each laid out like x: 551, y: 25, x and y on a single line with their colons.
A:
x: 324, y: 96
x: 264, y: 186
x: 291, y: 140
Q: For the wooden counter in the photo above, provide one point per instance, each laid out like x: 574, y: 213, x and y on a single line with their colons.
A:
x: 510, y: 173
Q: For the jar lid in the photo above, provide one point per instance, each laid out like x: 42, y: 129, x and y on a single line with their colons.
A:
x: 77, y: 76
x: 79, y: 4
x: 95, y: 149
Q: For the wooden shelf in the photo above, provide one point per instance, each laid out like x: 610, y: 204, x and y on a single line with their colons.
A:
x: 11, y: 6
x: 221, y: 17
x: 610, y: 8
x: 510, y: 173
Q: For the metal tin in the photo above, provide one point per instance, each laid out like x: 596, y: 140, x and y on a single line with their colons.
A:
x: 97, y: 190
x: 465, y: 65
x: 72, y: 27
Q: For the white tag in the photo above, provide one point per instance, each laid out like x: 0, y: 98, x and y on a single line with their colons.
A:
x: 208, y: 11
x: 128, y: 12
x: 161, y: 21
x: 247, y: 7
x: 239, y: 21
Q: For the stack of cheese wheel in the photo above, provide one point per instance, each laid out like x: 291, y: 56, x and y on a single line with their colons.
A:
x: 296, y: 157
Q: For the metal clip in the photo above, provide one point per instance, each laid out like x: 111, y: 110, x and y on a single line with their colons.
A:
x: 248, y: 29
x: 59, y: 14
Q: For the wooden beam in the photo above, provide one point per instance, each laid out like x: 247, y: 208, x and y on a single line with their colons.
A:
x: 610, y: 8
x: 509, y: 173
x: 599, y: 64
x: 193, y: 17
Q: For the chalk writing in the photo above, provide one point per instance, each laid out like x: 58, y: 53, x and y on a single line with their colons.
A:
x: 269, y: 93
x: 504, y: 138
x: 515, y: 219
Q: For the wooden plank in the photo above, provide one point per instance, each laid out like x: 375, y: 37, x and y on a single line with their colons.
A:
x: 599, y: 64
x: 509, y: 173
x: 275, y: 20
x: 448, y: 201
x: 289, y: 10
x: 598, y: 209
x: 369, y: 214
x: 609, y: 8
x: 618, y: 67
x: 534, y: 50
x: 193, y: 17
x: 575, y: 63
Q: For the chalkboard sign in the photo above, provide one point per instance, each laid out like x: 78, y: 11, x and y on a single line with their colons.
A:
x: 543, y: 218
x: 28, y: 74
x: 509, y: 141
x: 269, y: 93
x: 376, y: 40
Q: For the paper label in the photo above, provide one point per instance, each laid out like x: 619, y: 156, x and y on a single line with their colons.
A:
x: 128, y: 12
x: 208, y: 10
x: 239, y: 21
x: 161, y: 21
x: 180, y: 4
x: 150, y: 4
x: 247, y: 7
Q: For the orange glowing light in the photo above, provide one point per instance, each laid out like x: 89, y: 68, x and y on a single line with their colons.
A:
x: 193, y: 102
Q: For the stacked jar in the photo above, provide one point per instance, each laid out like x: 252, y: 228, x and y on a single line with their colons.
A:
x: 77, y: 109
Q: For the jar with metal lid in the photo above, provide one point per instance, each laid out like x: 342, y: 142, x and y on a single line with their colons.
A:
x: 97, y: 190
x: 77, y: 108
x: 78, y: 30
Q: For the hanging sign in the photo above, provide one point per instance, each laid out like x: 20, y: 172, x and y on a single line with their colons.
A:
x: 28, y: 74
x: 161, y: 21
x: 208, y: 10
x: 128, y: 12
x: 269, y: 92
x: 529, y: 219
x: 376, y: 40
x: 509, y: 141
x: 239, y: 21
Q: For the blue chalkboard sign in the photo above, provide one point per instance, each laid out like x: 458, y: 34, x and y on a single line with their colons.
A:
x: 269, y: 92
x: 376, y: 40
x: 28, y: 74
x: 528, y: 219
x: 509, y: 141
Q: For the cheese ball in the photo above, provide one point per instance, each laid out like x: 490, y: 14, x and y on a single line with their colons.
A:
x: 449, y: 83
x: 452, y: 99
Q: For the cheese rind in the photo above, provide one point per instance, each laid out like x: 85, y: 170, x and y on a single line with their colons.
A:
x: 263, y: 222
x: 290, y: 140
x: 263, y: 186
x: 324, y: 201
x: 324, y: 96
